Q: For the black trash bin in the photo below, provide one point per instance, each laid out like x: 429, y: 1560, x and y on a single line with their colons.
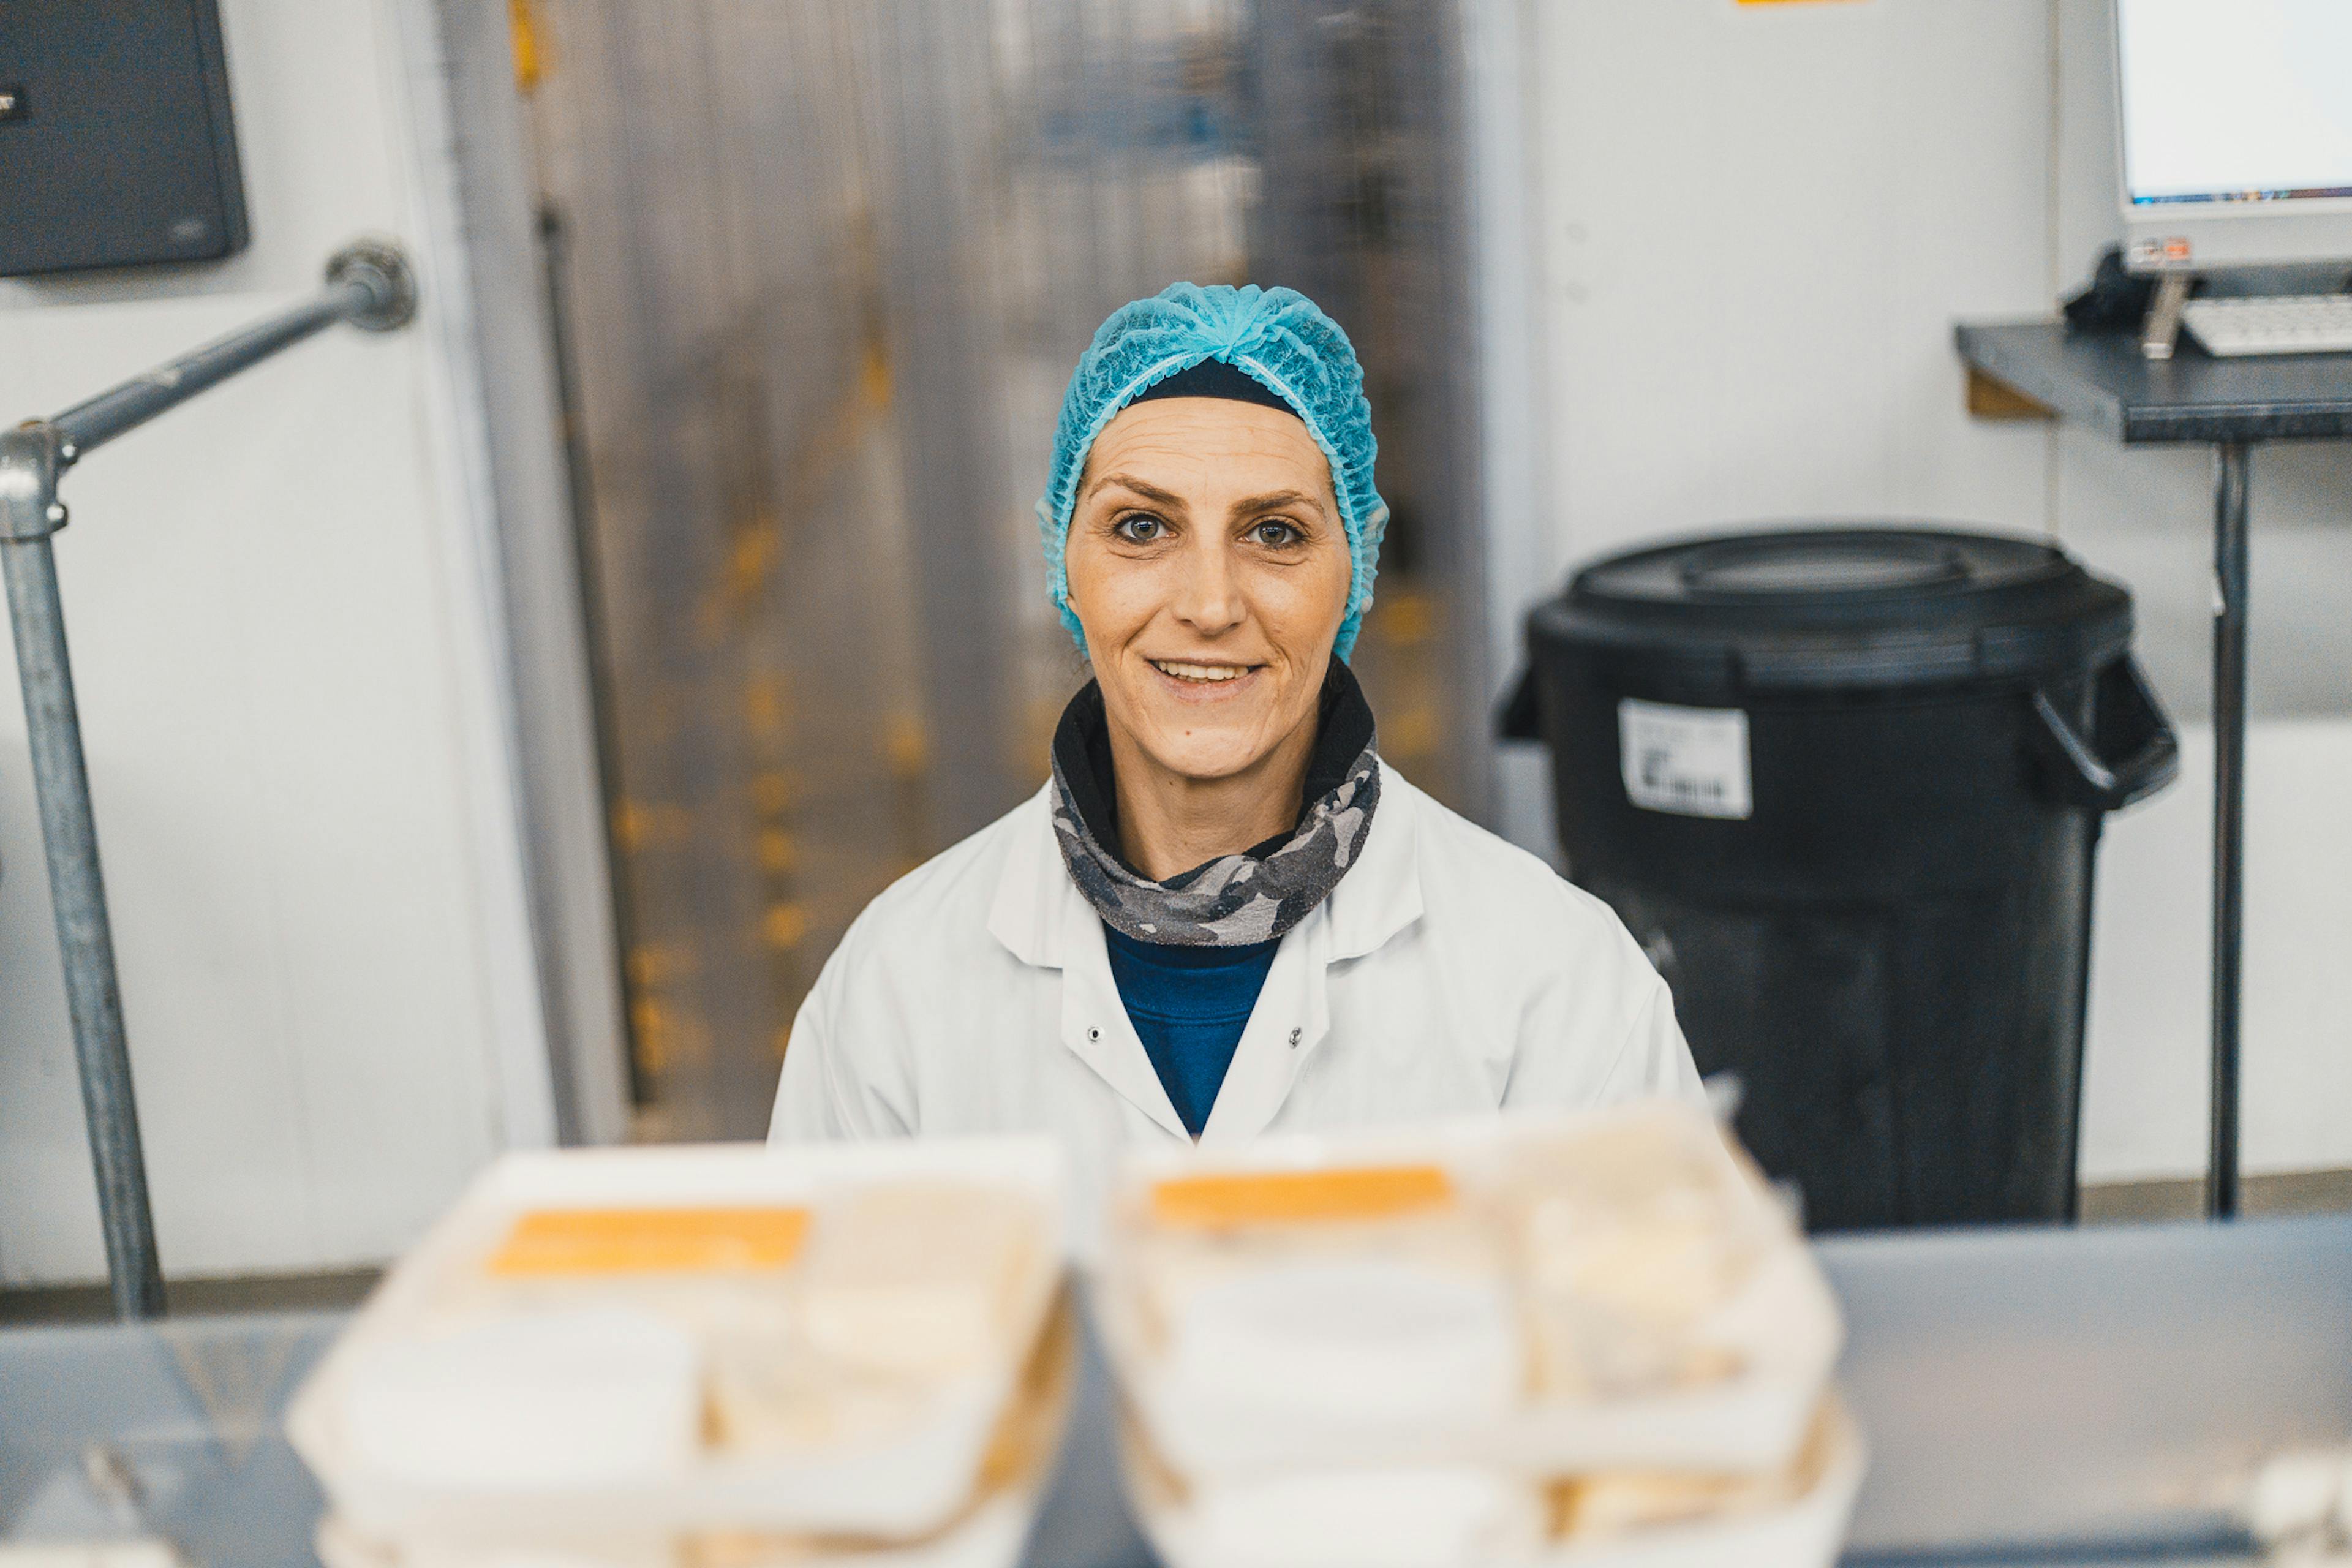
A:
x: 1845, y: 785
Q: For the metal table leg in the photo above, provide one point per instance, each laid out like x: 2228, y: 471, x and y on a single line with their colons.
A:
x: 2230, y: 560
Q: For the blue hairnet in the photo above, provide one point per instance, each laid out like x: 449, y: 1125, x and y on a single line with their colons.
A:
x: 1278, y: 338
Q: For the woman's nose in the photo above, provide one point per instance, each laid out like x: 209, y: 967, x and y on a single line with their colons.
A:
x: 1208, y: 595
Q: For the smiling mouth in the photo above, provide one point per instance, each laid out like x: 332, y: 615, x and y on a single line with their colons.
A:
x: 1201, y: 674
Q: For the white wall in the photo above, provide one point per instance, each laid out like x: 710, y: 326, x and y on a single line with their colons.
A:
x: 1757, y: 224
x: 284, y: 621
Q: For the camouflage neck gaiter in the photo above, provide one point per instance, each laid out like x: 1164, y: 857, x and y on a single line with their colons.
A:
x: 1235, y: 899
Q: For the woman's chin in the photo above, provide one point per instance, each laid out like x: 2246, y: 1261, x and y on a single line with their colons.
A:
x: 1205, y: 755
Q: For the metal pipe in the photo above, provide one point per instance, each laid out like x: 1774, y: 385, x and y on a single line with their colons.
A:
x: 87, y: 426
x: 369, y: 285
x: 2230, y: 572
x: 85, y: 937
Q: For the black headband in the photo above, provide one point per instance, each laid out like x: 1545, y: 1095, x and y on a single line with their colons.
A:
x: 1215, y: 378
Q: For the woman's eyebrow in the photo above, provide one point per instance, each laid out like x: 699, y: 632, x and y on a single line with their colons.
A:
x: 1273, y: 500
x: 1148, y: 492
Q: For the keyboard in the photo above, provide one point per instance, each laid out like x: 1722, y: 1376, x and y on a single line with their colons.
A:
x: 2271, y: 324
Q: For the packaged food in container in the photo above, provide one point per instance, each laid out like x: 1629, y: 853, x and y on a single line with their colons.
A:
x: 988, y: 1531
x: 1458, y: 1516
x: 635, y: 1344
x: 1792, y: 1518
x: 1555, y: 1293
x: 1428, y: 1516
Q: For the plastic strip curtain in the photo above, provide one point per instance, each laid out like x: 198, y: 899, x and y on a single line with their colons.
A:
x: 826, y: 265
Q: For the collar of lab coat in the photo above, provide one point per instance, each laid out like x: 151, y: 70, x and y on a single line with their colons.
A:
x: 1044, y: 920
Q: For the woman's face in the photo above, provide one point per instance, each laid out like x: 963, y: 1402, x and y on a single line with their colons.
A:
x: 1210, y: 570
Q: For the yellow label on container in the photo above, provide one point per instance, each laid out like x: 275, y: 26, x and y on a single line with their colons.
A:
x: 652, y: 1241
x: 1291, y: 1197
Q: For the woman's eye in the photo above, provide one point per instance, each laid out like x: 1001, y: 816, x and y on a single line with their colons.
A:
x: 1276, y: 534
x: 1140, y: 528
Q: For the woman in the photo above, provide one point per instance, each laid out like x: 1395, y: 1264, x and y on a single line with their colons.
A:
x: 1224, y: 914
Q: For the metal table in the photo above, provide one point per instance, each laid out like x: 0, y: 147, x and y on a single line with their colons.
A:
x: 2034, y: 1397
x: 2104, y: 380
x: 165, y: 1428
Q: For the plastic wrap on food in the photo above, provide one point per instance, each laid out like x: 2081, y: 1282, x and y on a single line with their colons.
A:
x: 1362, y: 1292
x: 1565, y: 1292
x: 1630, y: 1238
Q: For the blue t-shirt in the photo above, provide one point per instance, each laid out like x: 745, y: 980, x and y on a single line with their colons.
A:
x: 1189, y: 1006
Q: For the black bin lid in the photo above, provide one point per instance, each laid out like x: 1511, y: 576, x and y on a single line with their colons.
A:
x: 1825, y: 608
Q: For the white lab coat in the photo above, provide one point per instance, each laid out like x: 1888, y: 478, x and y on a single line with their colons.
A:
x: 1448, y: 972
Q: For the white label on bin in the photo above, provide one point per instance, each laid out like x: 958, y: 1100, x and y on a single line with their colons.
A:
x: 1690, y: 761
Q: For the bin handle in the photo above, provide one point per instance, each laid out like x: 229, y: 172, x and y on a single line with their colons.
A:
x: 2126, y: 709
x: 1518, y: 719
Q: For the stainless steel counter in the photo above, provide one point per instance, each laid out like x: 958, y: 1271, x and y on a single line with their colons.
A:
x: 2042, y: 1397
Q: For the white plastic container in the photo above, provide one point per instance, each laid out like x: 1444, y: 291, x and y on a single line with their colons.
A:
x: 1281, y: 1408
x: 988, y: 1532
x: 630, y: 1458
x: 1429, y: 1517
x: 1446, y: 1518
x: 991, y: 1537
x: 1807, y: 1533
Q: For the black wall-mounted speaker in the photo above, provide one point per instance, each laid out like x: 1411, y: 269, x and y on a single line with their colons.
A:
x: 117, y: 146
